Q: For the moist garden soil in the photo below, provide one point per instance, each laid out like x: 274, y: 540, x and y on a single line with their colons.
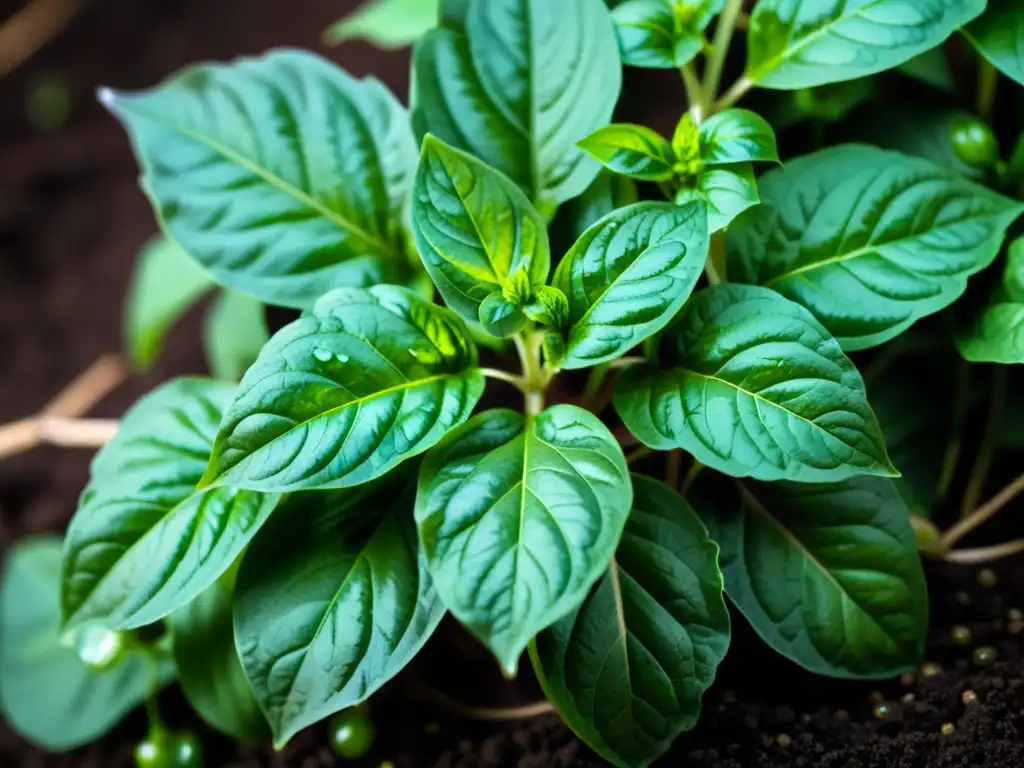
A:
x: 71, y: 222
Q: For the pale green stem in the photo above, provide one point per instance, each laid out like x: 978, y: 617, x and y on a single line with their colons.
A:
x: 493, y: 373
x: 714, y: 266
x: 982, y: 513
x: 987, y: 451
x: 692, y: 473
x: 638, y: 453
x: 984, y: 554
x: 673, y: 468
x: 953, y: 448
x: 988, y: 82
x: 694, y: 93
x: 736, y: 92
x: 720, y: 49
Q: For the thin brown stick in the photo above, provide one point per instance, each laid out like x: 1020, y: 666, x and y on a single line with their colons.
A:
x: 18, y: 436
x: 673, y: 468
x: 985, y: 554
x: 31, y: 28
x: 982, y: 513
x: 91, y: 386
x: 491, y: 714
x: 76, y: 433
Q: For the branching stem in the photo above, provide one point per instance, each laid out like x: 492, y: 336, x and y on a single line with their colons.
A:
x: 720, y: 50
x: 736, y: 92
x: 982, y: 513
x: 987, y: 451
x: 985, y: 554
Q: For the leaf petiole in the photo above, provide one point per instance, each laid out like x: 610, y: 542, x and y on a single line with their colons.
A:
x: 985, y: 554
x: 720, y: 49
x: 735, y: 92
x: 982, y: 513
x: 494, y: 373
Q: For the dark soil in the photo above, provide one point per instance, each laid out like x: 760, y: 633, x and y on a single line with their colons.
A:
x: 71, y: 222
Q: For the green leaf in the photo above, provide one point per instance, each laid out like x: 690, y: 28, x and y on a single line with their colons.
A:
x: 727, y: 192
x: 332, y: 601
x: 828, y: 575
x: 869, y: 240
x: 737, y: 136
x: 518, y: 518
x: 235, y: 331
x: 284, y: 176
x: 549, y: 306
x: 166, y: 282
x: 518, y: 85
x: 627, y: 668
x: 366, y: 380
x: 996, y: 333
x: 931, y: 68
x: 209, y: 669
x: 628, y: 275
x: 144, y: 541
x: 632, y: 150
x: 47, y: 694
x: 387, y: 24
x: 759, y: 389
x: 501, y: 317
x: 654, y: 34
x: 475, y: 230
x: 998, y: 34
x: 798, y: 45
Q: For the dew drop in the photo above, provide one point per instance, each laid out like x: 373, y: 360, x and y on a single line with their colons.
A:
x: 323, y: 355
x: 342, y: 358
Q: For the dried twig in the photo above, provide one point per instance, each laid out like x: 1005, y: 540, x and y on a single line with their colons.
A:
x: 31, y: 28
x: 78, y: 397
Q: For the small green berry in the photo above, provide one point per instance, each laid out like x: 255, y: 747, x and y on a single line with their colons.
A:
x: 98, y: 647
x: 351, y: 733
x: 974, y: 142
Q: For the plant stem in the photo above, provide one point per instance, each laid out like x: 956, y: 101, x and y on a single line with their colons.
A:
x: 694, y: 93
x: 988, y: 81
x: 987, y: 451
x: 535, y: 379
x: 736, y: 92
x: 982, y: 513
x: 714, y: 266
x: 691, y: 474
x: 493, y: 714
x: 625, y: 362
x: 594, y: 381
x: 720, y: 46
x: 77, y: 433
x: 638, y: 453
x: 673, y: 468
x: 984, y: 554
x: 31, y: 28
x: 511, y: 378
x: 952, y: 455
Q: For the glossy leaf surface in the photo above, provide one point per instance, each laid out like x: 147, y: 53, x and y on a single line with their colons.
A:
x: 332, y: 601
x: 758, y: 389
x: 995, y: 334
x: 628, y: 275
x: 475, y: 230
x: 518, y: 518
x: 278, y: 196
x: 632, y: 150
x: 627, y: 668
x: 737, y: 136
x: 47, y: 694
x: 144, y: 541
x: 726, y: 191
x: 998, y: 34
x: 802, y: 44
x: 386, y: 23
x: 517, y: 83
x: 869, y: 240
x: 166, y: 282
x: 367, y: 379
x: 828, y: 575
x: 209, y: 669
x: 660, y: 34
x: 234, y: 333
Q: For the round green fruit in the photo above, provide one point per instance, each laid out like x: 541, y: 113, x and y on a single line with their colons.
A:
x: 974, y: 142
x: 351, y: 733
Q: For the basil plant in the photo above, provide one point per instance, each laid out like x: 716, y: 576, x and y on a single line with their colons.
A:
x: 619, y: 299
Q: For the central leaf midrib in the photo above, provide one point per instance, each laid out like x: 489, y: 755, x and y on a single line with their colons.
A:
x: 275, y: 181
x: 768, y: 402
x: 761, y: 509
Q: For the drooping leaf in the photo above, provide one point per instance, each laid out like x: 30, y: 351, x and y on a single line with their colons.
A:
x: 998, y: 34
x: 628, y: 275
x: 367, y: 379
x: 332, y: 601
x: 661, y: 34
x: 828, y: 575
x: 737, y: 136
x: 144, y: 541
x: 386, y: 23
x: 235, y: 331
x: 727, y: 192
x: 165, y: 283
x: 284, y: 176
x: 632, y: 150
x: 47, y: 694
x: 518, y: 84
x: 518, y: 518
x: 209, y: 669
x: 759, y: 388
x: 627, y: 668
x: 475, y: 230
x: 794, y: 45
x: 869, y: 240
